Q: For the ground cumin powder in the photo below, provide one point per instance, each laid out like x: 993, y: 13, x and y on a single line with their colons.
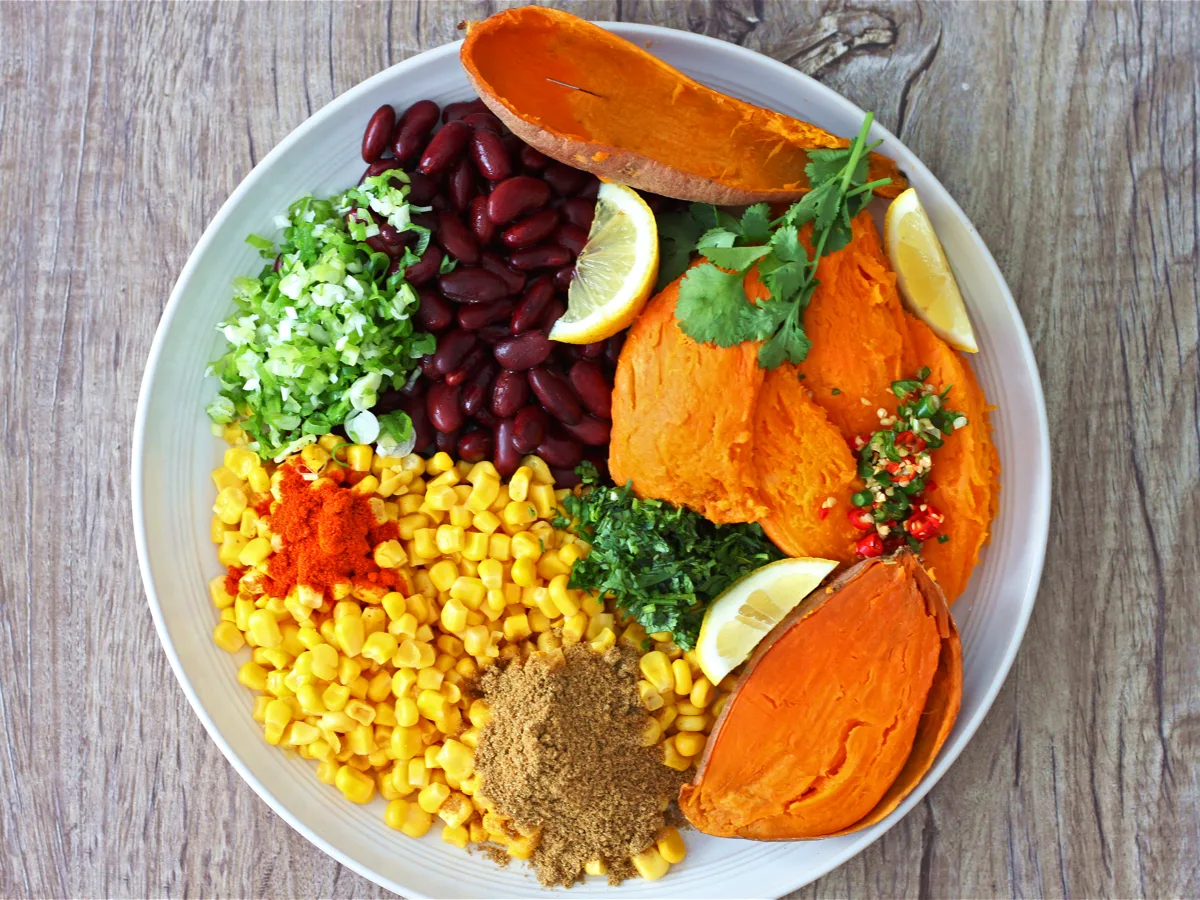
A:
x: 563, y: 752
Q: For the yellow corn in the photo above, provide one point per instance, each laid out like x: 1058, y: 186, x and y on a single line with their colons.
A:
x: 595, y: 867
x: 670, y: 845
x: 691, y: 723
x: 228, y: 638
x: 672, y: 758
x: 702, y: 692
x: 356, y: 786
x: 657, y: 670
x: 650, y: 864
x: 689, y: 743
x: 390, y: 555
x: 230, y: 504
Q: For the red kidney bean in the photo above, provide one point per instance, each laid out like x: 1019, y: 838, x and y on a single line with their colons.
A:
x: 468, y: 367
x: 579, y: 212
x: 426, y: 268
x: 474, y: 316
x: 378, y: 131
x: 491, y: 156
x: 493, y: 334
x: 560, y: 450
x: 421, y: 189
x: 523, y: 351
x: 571, y: 237
x: 412, y: 131
x: 475, y: 445
x: 278, y: 263
x: 446, y: 442
x: 547, y: 256
x: 485, y: 418
x: 482, y: 227
x: 423, y: 430
x: 590, y: 430
x: 494, y: 263
x: 442, y: 404
x: 506, y: 457
x: 426, y: 220
x: 554, y: 392
x: 564, y: 180
x: 612, y: 349
x: 510, y: 392
x: 532, y: 306
x: 554, y: 312
x: 565, y: 478
x: 533, y: 159
x: 472, y: 285
x: 378, y: 168
x: 477, y: 390
x: 452, y: 349
x: 485, y: 121
x: 462, y: 184
x: 530, y: 230
x: 516, y: 196
x: 463, y: 108
x: 456, y: 240
x: 529, y: 428
x: 433, y: 312
x: 427, y: 366
x: 590, y: 190
x: 591, y: 351
x: 592, y: 388
x: 379, y: 245
x: 444, y: 150
x: 563, y: 278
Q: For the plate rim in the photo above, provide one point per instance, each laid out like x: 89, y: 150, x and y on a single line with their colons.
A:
x: 633, y: 31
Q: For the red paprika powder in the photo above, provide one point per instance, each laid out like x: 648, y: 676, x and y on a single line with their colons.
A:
x: 329, y: 535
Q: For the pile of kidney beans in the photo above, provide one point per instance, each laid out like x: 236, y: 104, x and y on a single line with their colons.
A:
x: 514, y: 220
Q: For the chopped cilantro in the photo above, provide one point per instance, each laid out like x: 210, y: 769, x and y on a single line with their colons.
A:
x: 663, y: 564
x: 713, y: 307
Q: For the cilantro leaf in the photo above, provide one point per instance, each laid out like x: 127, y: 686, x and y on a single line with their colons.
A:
x: 677, y: 236
x: 713, y: 309
x: 716, y: 237
x: 756, y: 224
x: 825, y: 164
x: 738, y: 259
x: 790, y: 344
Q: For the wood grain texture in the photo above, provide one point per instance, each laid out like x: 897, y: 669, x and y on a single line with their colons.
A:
x: 1068, y: 133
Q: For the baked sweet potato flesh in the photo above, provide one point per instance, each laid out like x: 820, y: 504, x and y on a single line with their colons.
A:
x: 683, y: 417
x: 966, y: 469
x: 800, y: 461
x: 636, y: 120
x: 841, y: 711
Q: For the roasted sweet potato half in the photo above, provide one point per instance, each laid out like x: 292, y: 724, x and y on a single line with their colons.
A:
x: 593, y: 100
x: 840, y: 713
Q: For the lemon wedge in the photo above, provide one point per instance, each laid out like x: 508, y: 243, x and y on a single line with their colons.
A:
x: 741, y: 617
x: 616, y: 269
x: 923, y: 272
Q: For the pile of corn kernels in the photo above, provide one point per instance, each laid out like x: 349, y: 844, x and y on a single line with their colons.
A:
x: 371, y: 684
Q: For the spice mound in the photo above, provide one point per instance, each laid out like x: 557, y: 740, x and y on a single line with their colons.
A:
x: 563, y: 758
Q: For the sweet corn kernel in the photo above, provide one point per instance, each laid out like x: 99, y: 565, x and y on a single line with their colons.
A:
x: 390, y: 555
x: 302, y: 734
x: 673, y: 759
x: 432, y: 797
x: 650, y: 696
x: 595, y: 867
x: 522, y: 847
x: 457, y: 759
x: 689, y: 743
x: 550, y: 566
x: 516, y: 512
x: 454, y: 616
x: 667, y: 716
x: 702, y: 693
x: 657, y: 670
x: 574, y: 628
x: 651, y: 733
x: 253, y: 676
x: 670, y: 845
x: 324, y: 662
x: 406, y: 744
x: 230, y: 503
x: 416, y: 822
x: 524, y: 572
x: 357, y: 786
x: 691, y: 723
x: 541, y: 471
x: 380, y: 647
x: 566, y: 600
x: 605, y: 640
x: 516, y: 628
x: 598, y: 623
x: 525, y: 545
x: 228, y: 638
x: 441, y: 498
x: 683, y: 677
x: 230, y: 550
x: 327, y: 771
x: 499, y: 547
x: 443, y: 574
x: 469, y: 590
x: 456, y: 835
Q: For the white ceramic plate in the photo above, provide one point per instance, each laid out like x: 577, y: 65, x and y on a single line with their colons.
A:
x: 174, y: 452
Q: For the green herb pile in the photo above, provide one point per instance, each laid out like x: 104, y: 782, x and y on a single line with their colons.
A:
x: 312, y: 344
x: 662, y: 564
x: 713, y: 307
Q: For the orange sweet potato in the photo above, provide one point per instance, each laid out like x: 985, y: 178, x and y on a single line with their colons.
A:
x: 801, y: 460
x: 839, y: 714
x: 966, y: 469
x: 683, y: 417
x: 637, y: 120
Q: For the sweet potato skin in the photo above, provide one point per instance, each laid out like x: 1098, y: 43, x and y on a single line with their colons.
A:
x: 638, y: 121
x: 683, y: 417
x: 781, y: 799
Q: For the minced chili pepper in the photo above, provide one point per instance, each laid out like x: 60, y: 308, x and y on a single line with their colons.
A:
x: 328, y: 536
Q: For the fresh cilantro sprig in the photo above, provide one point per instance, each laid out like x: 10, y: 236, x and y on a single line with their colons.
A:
x: 713, y: 307
x: 663, y: 564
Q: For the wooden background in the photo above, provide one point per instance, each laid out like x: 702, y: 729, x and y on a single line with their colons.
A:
x: 1068, y: 132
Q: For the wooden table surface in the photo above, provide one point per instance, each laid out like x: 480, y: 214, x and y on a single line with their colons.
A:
x: 1067, y: 132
